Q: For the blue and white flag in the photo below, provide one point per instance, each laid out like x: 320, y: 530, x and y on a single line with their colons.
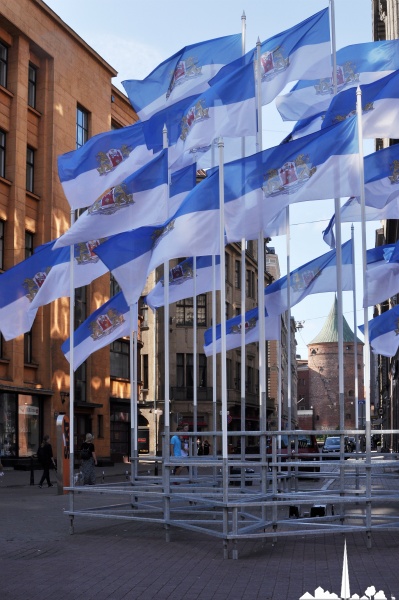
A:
x: 184, y: 74
x: 383, y: 332
x: 319, y: 166
x: 181, y: 281
x: 301, y: 52
x: 101, y: 163
x: 127, y: 256
x: 382, y: 274
x: 108, y: 323
x: 181, y: 183
x: 41, y: 279
x: 194, y: 229
x: 380, y: 107
x: 305, y: 127
x: 233, y: 331
x: 227, y: 109
x: 318, y: 275
x: 140, y: 200
x: 357, y: 64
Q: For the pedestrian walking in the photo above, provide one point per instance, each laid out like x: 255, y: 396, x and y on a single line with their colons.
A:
x: 46, y: 459
x: 89, y: 460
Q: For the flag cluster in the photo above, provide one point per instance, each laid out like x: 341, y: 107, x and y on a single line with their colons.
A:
x: 143, y: 206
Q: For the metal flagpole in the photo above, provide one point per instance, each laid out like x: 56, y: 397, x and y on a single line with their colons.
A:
x: 193, y: 441
x: 355, y: 335
x: 365, y: 312
x: 242, y: 283
x: 71, y: 368
x: 133, y: 316
x: 166, y: 336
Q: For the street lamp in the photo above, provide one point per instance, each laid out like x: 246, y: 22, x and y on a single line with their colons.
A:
x: 158, y: 412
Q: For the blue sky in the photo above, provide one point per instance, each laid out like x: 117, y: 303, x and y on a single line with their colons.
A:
x: 134, y: 37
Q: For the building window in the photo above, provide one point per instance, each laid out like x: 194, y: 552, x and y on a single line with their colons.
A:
x: 237, y: 274
x: 80, y: 306
x: 185, y: 311
x: 82, y: 126
x: 250, y: 247
x: 28, y: 346
x: 28, y: 244
x: 32, y: 75
x: 30, y: 169
x: 185, y: 370
x: 250, y: 284
x: 3, y: 64
x: 100, y: 426
x: 202, y: 362
x: 120, y: 363
x: 2, y: 153
x: 80, y: 383
x: 227, y: 265
x: 144, y: 360
x: 2, y: 224
x: 115, y: 288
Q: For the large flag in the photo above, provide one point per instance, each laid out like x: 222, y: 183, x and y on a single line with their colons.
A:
x: 380, y: 107
x: 322, y: 165
x: 227, y: 109
x: 105, y: 325
x: 127, y: 255
x: 41, y: 279
x: 381, y: 192
x: 181, y: 182
x: 318, y: 275
x: 383, y: 332
x: 181, y: 281
x: 233, y: 331
x: 382, y: 274
x: 101, y: 163
x: 194, y: 229
x: 184, y: 74
x: 140, y: 200
x: 301, y: 52
x: 357, y: 64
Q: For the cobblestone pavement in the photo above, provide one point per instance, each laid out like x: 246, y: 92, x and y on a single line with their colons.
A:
x: 113, y: 559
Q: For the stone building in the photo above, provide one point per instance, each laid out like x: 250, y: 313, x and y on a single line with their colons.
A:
x: 384, y: 371
x: 324, y: 375
x: 55, y: 93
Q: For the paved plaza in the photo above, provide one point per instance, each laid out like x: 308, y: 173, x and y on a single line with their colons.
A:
x: 114, y: 559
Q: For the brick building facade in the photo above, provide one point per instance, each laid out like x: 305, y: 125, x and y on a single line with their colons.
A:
x: 324, y: 375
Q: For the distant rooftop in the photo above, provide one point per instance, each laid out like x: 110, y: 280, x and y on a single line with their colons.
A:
x: 329, y: 332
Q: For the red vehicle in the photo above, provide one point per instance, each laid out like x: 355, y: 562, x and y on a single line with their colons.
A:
x: 306, y: 448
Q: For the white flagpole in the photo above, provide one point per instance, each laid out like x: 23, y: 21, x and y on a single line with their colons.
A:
x: 355, y: 333
x: 166, y: 334
x: 223, y: 323
x: 214, y: 355
x: 243, y: 272
x: 133, y: 316
x: 193, y: 440
x: 289, y: 393
x: 71, y: 366
x: 261, y: 281
x: 365, y: 310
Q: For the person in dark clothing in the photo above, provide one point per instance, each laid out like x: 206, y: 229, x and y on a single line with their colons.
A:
x: 45, y: 456
x: 89, y: 463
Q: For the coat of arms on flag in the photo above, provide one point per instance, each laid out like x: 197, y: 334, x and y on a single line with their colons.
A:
x: 106, y: 323
x: 394, y: 166
x: 84, y: 252
x: 272, y: 63
x: 185, y: 69
x: 33, y: 285
x: 195, y: 114
x: 345, y: 74
x: 290, y: 176
x: 160, y: 233
x: 110, y: 159
x: 302, y: 280
x: 112, y: 201
x: 248, y: 325
x: 180, y: 273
